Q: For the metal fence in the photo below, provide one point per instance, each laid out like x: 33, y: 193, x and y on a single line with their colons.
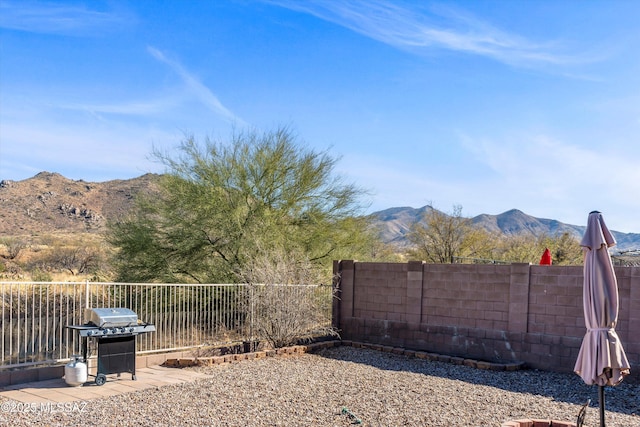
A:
x: 468, y: 260
x: 34, y: 315
x: 629, y: 258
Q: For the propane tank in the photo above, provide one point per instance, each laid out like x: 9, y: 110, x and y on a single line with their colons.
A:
x: 75, y: 372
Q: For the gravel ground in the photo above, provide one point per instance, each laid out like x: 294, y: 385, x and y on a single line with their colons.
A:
x: 343, y: 386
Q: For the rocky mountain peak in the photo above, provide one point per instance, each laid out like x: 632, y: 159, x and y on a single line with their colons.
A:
x: 50, y: 202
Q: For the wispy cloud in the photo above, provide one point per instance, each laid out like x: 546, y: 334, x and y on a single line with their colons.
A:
x: 421, y: 30
x: 558, y: 176
x: 79, y: 147
x: 541, y: 175
x: 132, y: 108
x: 55, y: 18
x: 197, y: 88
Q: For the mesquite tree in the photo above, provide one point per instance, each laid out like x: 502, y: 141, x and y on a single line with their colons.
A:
x: 440, y: 237
x: 222, y: 203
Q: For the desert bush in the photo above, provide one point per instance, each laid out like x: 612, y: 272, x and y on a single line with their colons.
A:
x: 63, y: 256
x: 12, y: 247
x: 75, y: 260
x: 39, y: 275
x: 285, y: 300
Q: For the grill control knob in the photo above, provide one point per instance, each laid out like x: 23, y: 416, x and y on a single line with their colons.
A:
x: 131, y: 330
x: 122, y: 330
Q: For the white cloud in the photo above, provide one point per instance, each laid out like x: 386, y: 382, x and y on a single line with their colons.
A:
x: 84, y: 135
x: 401, y: 183
x: 55, y: 18
x: 130, y: 108
x: 197, y: 88
x: 540, y: 175
x: 418, y: 30
x: 88, y: 151
x: 544, y: 174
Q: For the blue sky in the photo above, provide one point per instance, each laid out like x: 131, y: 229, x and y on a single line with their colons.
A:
x: 490, y: 105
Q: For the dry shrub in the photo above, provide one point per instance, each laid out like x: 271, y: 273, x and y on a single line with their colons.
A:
x: 286, y: 302
x: 56, y: 256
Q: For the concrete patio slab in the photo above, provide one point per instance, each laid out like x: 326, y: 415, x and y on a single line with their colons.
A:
x: 56, y: 390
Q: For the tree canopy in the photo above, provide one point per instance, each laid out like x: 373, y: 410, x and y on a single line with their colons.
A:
x: 565, y: 249
x: 440, y: 237
x: 223, y: 203
x: 446, y: 238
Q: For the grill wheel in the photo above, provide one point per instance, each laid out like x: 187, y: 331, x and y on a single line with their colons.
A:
x: 101, y: 379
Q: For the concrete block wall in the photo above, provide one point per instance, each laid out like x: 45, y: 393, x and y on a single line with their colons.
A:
x: 385, y: 296
x: 555, y: 305
x: 629, y: 319
x: 466, y: 297
x: 499, y: 313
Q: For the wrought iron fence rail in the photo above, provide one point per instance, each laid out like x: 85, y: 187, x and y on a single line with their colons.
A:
x: 469, y: 260
x: 34, y: 315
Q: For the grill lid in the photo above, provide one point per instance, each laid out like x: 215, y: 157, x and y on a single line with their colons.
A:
x: 107, y: 317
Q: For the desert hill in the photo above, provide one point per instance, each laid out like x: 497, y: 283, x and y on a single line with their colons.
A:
x: 49, y: 202
x: 394, y: 223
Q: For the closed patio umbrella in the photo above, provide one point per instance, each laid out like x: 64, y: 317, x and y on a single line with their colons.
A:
x: 601, y: 359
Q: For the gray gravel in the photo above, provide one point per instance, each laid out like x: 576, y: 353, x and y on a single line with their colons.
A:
x: 344, y: 385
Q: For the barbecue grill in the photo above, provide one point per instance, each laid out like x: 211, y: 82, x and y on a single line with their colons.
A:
x: 115, y: 330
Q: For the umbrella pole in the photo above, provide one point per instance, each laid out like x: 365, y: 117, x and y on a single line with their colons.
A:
x: 601, y: 399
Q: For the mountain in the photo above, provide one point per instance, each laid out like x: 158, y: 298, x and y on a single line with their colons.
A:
x: 515, y: 222
x: 394, y: 224
x: 49, y: 202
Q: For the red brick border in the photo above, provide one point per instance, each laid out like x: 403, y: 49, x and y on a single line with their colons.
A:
x: 478, y: 364
x: 537, y: 423
x: 310, y: 348
x: 239, y: 357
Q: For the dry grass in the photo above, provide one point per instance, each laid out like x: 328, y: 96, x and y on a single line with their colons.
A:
x: 54, y: 257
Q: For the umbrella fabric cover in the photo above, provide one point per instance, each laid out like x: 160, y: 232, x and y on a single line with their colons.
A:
x: 602, y: 359
x: 546, y: 257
